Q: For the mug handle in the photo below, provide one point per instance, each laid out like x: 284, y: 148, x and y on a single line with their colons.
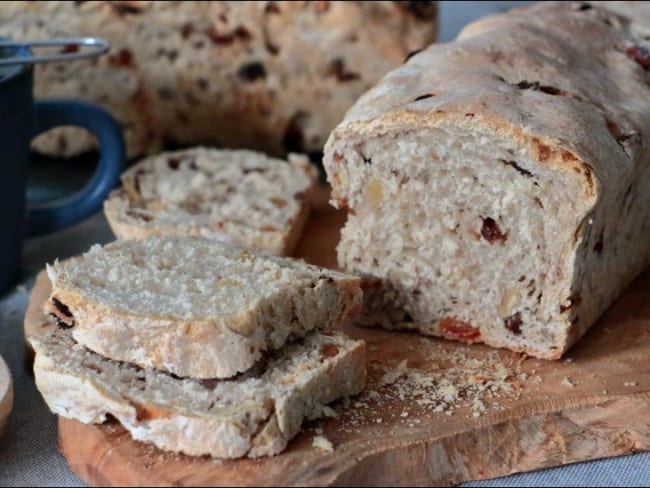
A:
x: 50, y: 216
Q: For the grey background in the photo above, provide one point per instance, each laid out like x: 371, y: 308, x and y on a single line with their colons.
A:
x: 28, y: 454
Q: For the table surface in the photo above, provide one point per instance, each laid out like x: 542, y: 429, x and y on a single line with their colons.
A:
x: 28, y: 453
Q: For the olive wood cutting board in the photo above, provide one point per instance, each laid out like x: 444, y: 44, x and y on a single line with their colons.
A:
x: 449, y: 414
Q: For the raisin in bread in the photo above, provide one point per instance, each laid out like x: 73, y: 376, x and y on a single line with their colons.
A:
x: 510, y: 208
x: 255, y: 414
x: 6, y: 395
x: 241, y: 197
x: 192, y: 306
x: 272, y: 76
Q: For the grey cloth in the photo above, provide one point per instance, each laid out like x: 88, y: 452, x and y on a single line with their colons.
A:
x: 28, y: 452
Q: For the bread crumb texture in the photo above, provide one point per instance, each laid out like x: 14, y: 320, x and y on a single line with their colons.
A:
x: 322, y: 443
x: 566, y: 381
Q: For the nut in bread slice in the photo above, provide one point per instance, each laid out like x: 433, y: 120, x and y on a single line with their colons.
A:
x: 236, y: 196
x: 255, y: 414
x: 192, y: 306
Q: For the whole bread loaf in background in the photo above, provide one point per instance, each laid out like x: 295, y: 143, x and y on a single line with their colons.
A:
x: 497, y: 185
x: 272, y: 76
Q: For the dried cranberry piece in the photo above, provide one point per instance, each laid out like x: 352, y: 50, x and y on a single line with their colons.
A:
x: 328, y: 351
x: 219, y: 39
x: 123, y: 58
x: 187, y: 29
x: 491, y: 232
x: 640, y: 54
x: 513, y: 323
x: 70, y: 48
x: 272, y: 8
x: 321, y: 6
x: 124, y: 8
x: 453, y: 328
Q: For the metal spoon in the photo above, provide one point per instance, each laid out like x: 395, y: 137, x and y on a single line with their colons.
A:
x: 71, y: 48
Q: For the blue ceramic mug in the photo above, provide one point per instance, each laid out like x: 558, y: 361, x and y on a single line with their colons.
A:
x: 22, y: 119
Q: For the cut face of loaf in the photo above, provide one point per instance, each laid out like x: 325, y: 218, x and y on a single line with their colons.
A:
x: 194, y: 307
x: 497, y: 184
x: 253, y: 415
x: 241, y: 197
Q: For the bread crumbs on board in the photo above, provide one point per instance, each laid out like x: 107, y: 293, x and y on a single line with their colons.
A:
x: 323, y: 443
x: 437, y: 381
x: 566, y: 381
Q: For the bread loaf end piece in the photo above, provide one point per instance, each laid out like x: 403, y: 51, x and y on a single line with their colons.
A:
x: 251, y: 416
x: 497, y: 191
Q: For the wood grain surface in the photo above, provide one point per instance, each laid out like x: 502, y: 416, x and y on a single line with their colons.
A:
x: 530, y: 413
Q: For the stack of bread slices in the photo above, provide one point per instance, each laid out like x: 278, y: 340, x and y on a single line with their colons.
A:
x: 198, y: 346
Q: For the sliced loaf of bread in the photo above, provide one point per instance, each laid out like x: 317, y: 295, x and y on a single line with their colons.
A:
x: 253, y: 415
x: 237, y: 196
x: 497, y: 185
x: 192, y: 306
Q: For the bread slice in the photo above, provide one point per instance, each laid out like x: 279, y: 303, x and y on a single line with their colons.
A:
x: 192, y: 306
x: 253, y: 415
x: 6, y: 395
x: 237, y: 196
x: 498, y: 184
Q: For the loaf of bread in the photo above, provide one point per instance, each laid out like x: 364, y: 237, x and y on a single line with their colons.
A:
x: 275, y: 76
x: 241, y: 197
x: 254, y: 415
x: 192, y: 306
x: 496, y: 184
